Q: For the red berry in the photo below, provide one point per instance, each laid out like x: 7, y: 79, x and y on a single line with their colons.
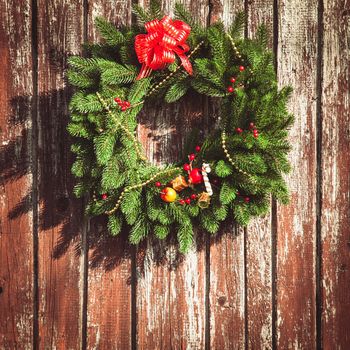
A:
x: 230, y: 89
x: 241, y: 68
x: 124, y: 108
x: 186, y: 167
x: 127, y: 104
x: 239, y: 130
x: 233, y: 80
x: 192, y: 156
x: 158, y: 184
x: 198, y: 148
x: 247, y: 199
x: 117, y: 99
x: 181, y: 201
x: 238, y: 194
x: 104, y: 196
x: 256, y: 135
x: 251, y: 126
x: 188, y: 200
x: 193, y: 196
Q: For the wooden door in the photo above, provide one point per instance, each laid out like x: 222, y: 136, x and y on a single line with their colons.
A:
x: 281, y: 283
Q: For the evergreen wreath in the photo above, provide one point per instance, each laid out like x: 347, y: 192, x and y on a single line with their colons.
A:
x: 230, y: 176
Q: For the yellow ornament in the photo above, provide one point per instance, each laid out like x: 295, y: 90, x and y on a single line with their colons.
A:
x: 168, y: 194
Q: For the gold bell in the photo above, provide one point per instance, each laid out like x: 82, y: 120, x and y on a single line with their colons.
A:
x: 204, y: 200
x: 179, y: 183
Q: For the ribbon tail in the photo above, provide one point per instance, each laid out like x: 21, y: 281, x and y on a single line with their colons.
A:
x: 144, y: 72
x: 186, y: 64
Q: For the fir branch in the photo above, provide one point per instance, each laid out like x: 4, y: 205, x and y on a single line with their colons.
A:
x: 109, y: 32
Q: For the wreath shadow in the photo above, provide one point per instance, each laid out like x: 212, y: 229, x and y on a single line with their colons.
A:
x: 59, y: 212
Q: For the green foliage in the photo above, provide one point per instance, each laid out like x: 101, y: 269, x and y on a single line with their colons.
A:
x: 115, y: 224
x: 107, y: 160
x: 109, y: 32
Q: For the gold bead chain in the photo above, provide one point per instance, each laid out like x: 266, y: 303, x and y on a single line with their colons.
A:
x: 238, y: 54
x: 133, y: 187
x: 127, y: 131
x: 229, y: 158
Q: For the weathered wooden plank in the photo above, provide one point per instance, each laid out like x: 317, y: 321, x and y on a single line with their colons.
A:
x: 259, y: 233
x: 16, y: 244
x: 60, y: 33
x: 296, y: 223
x: 227, y: 290
x: 109, y: 270
x: 335, y: 157
x: 170, y: 287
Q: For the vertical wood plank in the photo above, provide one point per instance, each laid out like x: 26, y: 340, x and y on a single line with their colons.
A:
x: 335, y: 157
x: 16, y: 243
x: 171, y: 288
x: 227, y: 290
x: 109, y: 266
x: 60, y: 33
x: 259, y: 233
x: 296, y: 223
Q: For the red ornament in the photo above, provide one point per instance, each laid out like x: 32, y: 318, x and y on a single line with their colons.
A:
x: 232, y: 80
x: 181, y: 201
x: 188, y: 201
x: 198, y: 148
x: 104, y: 196
x: 239, y: 130
x: 186, y: 167
x: 193, y: 196
x: 164, y: 39
x: 241, y: 68
x: 196, y: 176
x: 230, y: 89
x: 158, y: 184
x: 192, y: 156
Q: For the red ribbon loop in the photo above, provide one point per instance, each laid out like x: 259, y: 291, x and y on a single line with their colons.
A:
x: 158, y: 47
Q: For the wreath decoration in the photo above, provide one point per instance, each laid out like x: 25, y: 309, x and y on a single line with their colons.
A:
x: 228, y: 176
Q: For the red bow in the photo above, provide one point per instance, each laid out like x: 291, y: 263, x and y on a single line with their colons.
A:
x: 158, y: 47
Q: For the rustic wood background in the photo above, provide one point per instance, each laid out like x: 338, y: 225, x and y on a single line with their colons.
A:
x: 282, y: 283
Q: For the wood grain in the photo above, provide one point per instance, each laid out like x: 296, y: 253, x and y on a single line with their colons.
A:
x: 296, y: 223
x: 259, y: 244
x: 171, y: 288
x: 227, y: 294
x: 109, y: 271
x: 335, y: 165
x: 227, y: 280
x: 60, y: 34
x: 16, y: 244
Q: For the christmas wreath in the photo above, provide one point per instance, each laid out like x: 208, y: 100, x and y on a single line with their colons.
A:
x: 229, y: 176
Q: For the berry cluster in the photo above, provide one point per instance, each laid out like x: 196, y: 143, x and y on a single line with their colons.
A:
x: 246, y: 199
x: 253, y: 129
x: 188, y: 200
x: 169, y: 194
x: 124, y: 105
x: 233, y: 80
